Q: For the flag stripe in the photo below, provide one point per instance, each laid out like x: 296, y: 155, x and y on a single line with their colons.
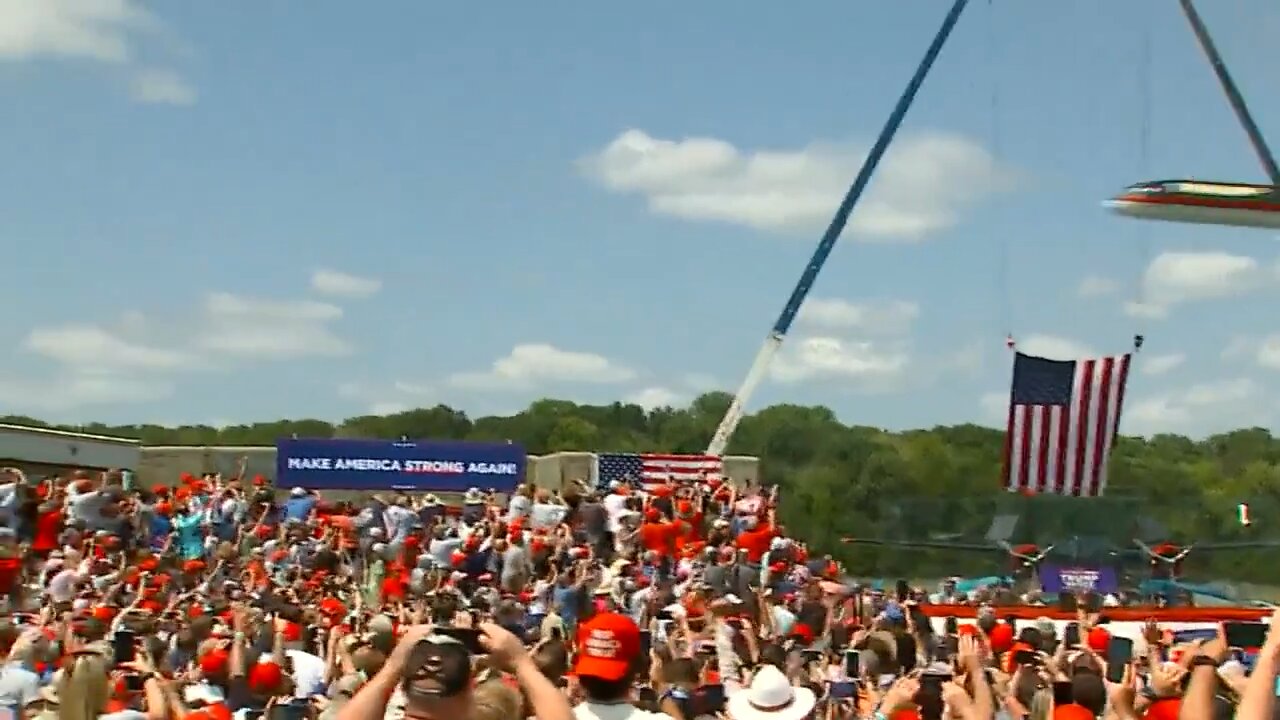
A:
x: 1063, y: 418
x: 652, y: 469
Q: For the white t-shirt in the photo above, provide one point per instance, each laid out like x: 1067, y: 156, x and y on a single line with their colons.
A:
x: 614, y: 711
x: 62, y: 587
x: 616, y: 506
x: 308, y: 674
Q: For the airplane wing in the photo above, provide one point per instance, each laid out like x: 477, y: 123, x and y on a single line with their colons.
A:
x: 1225, y: 546
x: 923, y: 544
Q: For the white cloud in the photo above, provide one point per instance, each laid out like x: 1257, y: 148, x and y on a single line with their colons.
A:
x: 867, y: 362
x: 162, y: 87
x: 531, y: 364
x: 135, y: 358
x: 892, y: 316
x: 101, y: 30
x: 699, y: 381
x: 388, y: 408
x: 263, y: 329
x: 1175, y: 278
x: 1268, y: 353
x: 340, y: 284
x: 388, y: 398
x: 1097, y: 286
x: 1197, y: 409
x: 1159, y: 364
x: 1053, y: 347
x: 71, y: 390
x: 92, y: 348
x: 924, y: 184
x: 1146, y: 310
x: 1263, y: 351
x: 654, y: 397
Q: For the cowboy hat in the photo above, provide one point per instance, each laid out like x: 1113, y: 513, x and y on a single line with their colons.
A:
x: 771, y: 697
x: 430, y: 500
x: 473, y: 496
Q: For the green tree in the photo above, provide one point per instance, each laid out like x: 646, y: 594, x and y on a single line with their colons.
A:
x: 839, y: 481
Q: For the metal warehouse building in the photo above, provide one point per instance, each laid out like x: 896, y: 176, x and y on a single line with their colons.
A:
x: 44, y: 451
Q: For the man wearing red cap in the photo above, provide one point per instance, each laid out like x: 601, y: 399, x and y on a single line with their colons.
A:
x: 608, y: 651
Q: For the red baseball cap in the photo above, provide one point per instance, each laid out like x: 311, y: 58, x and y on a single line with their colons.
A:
x: 608, y: 645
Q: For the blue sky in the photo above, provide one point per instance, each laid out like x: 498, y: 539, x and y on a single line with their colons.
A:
x: 222, y: 212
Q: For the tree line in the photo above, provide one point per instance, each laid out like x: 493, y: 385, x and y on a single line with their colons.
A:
x: 840, y: 480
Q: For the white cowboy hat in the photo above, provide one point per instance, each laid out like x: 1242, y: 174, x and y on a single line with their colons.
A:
x: 473, y: 496
x: 771, y: 697
x: 431, y: 500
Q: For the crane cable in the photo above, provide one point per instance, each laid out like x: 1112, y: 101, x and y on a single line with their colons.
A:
x: 1004, y: 292
x: 1141, y: 300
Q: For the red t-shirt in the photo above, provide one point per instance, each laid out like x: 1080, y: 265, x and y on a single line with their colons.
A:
x: 48, y: 527
x: 656, y: 537
x: 756, y: 542
x: 10, y: 568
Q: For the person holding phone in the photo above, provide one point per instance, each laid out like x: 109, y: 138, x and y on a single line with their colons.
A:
x: 412, y: 674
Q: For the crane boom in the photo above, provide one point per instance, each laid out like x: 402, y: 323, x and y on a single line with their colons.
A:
x: 773, y: 341
x: 1233, y: 93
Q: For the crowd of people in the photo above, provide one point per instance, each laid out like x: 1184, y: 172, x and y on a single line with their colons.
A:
x: 223, y: 598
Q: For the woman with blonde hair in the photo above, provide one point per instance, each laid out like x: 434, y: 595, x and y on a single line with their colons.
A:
x: 496, y: 700
x: 83, y: 688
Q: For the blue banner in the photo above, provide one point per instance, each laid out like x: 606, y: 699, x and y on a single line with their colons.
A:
x: 1057, y: 578
x: 425, y: 466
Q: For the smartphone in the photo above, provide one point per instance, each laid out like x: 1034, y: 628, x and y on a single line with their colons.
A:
x: 1245, y: 634
x: 287, y: 711
x: 950, y: 626
x: 811, y: 656
x: 1025, y: 657
x: 902, y: 590
x: 123, y: 646
x: 1071, y: 635
x: 469, y: 637
x: 133, y: 682
x: 1119, y: 655
x: 852, y: 664
x: 1062, y: 694
x: 932, y: 683
x: 708, y: 700
x: 646, y: 642
x: 842, y: 690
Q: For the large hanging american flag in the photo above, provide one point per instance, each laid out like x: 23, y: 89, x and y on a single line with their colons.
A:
x: 656, y: 468
x: 1063, y: 418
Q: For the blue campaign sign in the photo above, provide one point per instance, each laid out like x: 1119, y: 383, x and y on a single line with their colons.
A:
x: 424, y: 466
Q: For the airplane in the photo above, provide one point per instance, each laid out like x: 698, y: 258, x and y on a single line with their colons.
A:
x: 1165, y: 558
x: 1193, y: 201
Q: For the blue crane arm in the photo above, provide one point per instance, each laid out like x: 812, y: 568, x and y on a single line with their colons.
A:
x: 828, y: 241
x: 773, y: 341
x: 1232, y: 92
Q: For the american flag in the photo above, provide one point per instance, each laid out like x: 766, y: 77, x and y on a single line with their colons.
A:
x: 1063, y: 417
x: 655, y: 468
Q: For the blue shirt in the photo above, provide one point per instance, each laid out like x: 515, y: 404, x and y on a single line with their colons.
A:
x: 299, y: 508
x: 190, y: 536
x: 160, y: 528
